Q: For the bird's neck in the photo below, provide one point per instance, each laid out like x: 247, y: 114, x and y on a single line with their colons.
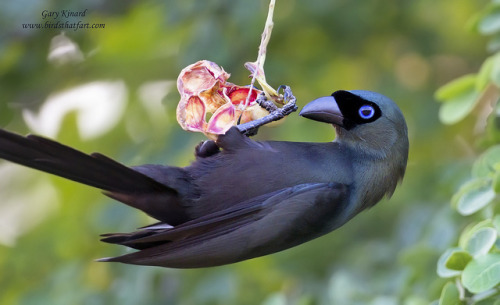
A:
x: 376, y: 175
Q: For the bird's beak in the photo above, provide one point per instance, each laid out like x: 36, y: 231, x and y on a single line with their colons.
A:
x: 324, y: 109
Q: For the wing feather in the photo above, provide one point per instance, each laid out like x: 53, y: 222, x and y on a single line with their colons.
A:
x: 225, y: 236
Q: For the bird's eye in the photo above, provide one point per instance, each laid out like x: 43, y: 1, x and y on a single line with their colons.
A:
x: 366, y: 112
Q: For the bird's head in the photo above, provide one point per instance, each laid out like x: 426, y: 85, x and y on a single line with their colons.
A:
x: 371, y: 125
x: 365, y: 120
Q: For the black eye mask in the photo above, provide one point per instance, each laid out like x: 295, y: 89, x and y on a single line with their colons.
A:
x: 355, y: 110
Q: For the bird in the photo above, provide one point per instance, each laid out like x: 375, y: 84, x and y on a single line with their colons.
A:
x: 240, y: 199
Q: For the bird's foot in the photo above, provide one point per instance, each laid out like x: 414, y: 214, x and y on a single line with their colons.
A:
x: 275, y: 113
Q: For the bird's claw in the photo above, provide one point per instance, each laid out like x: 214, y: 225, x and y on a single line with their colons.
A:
x: 275, y: 113
x: 287, y: 93
x: 265, y: 103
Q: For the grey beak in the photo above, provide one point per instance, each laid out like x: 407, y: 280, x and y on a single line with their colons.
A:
x: 324, y: 109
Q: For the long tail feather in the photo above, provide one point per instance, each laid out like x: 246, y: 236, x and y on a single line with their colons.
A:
x: 95, y: 170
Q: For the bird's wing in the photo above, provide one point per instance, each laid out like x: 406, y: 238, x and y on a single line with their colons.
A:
x: 256, y: 227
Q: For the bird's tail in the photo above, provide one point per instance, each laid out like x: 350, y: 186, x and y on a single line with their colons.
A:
x: 95, y: 170
x: 117, y: 180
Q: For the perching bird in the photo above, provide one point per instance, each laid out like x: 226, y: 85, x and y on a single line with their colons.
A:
x: 241, y: 198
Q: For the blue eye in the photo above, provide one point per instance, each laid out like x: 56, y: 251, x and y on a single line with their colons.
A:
x: 366, y: 112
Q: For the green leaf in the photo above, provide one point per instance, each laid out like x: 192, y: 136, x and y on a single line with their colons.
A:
x: 471, y: 230
x: 496, y: 183
x: 415, y: 300
x: 495, y: 67
x: 494, y: 44
x: 481, y: 241
x: 473, y: 22
x: 487, y: 300
x: 275, y: 299
x: 459, y: 97
x: 496, y: 223
x: 490, y: 24
x: 485, y: 165
x: 485, y: 74
x: 444, y: 271
x: 450, y: 295
x: 457, y: 109
x: 456, y: 88
x: 473, y: 196
x: 458, y: 260
x: 482, y: 273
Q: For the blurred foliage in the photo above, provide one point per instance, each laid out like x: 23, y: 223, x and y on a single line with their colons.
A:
x: 474, y: 264
x: 387, y: 255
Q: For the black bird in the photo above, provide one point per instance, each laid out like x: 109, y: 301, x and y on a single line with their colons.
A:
x: 291, y: 192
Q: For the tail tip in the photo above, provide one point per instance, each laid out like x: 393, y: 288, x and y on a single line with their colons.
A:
x: 105, y: 259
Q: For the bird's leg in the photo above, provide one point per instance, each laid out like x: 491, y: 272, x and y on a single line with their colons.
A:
x: 275, y: 113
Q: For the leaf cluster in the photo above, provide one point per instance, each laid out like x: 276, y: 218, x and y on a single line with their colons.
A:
x: 474, y: 264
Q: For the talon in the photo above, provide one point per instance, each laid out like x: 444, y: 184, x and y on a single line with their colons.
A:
x: 281, y: 87
x: 275, y: 113
x: 287, y: 92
